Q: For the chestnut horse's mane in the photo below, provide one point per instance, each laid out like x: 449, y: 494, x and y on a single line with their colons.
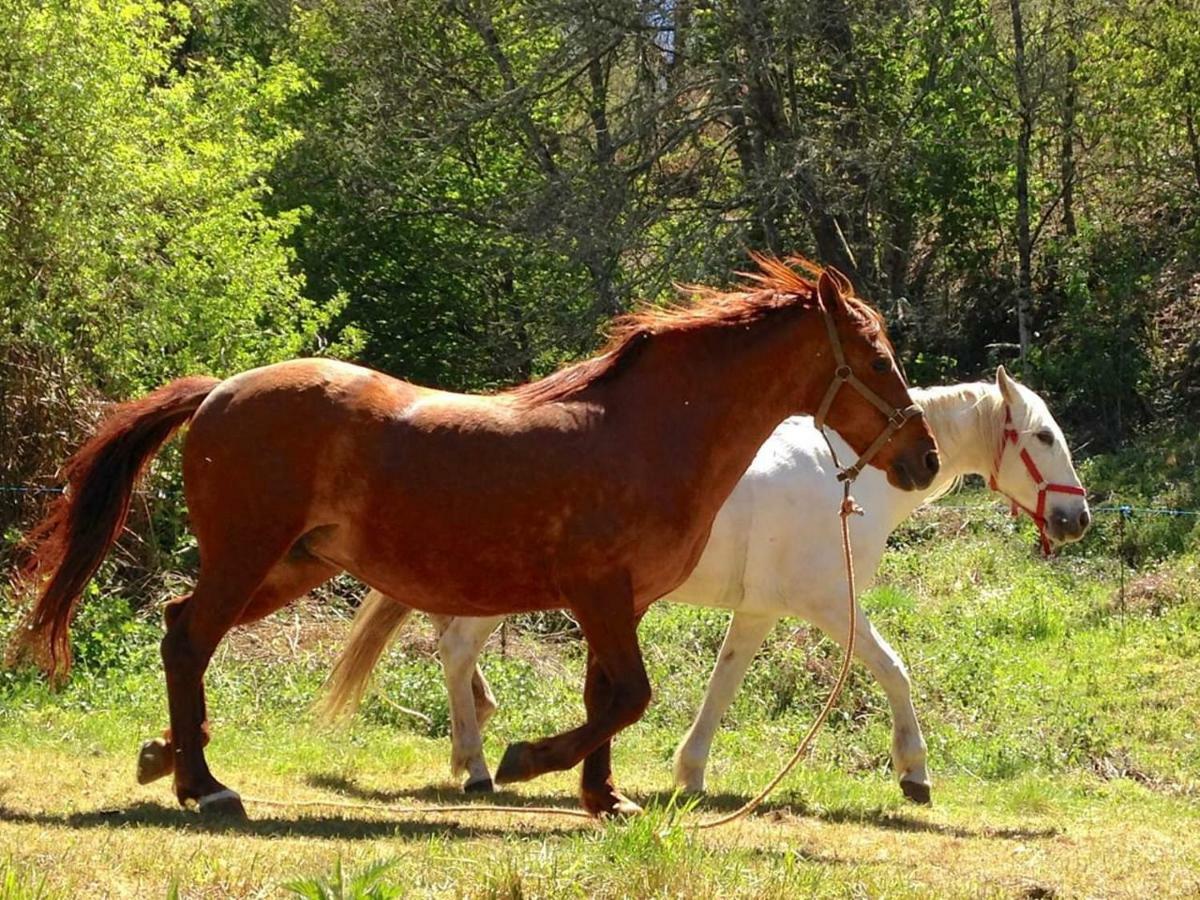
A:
x: 778, y: 284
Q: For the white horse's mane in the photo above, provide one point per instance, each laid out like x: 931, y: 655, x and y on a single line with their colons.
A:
x: 960, y: 414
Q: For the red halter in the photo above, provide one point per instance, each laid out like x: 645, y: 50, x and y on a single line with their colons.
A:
x: 1043, y: 487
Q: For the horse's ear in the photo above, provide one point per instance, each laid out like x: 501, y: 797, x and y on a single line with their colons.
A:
x: 844, y: 284
x: 828, y: 290
x: 1007, y: 386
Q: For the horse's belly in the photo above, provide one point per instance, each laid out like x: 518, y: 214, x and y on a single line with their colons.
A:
x: 463, y: 578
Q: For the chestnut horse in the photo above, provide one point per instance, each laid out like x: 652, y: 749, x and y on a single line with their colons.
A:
x: 593, y: 489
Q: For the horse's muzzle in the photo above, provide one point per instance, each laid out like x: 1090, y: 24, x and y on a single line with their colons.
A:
x: 916, y: 468
x: 1068, y: 523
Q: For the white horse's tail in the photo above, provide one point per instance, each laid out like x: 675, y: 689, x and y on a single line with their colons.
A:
x: 375, y: 626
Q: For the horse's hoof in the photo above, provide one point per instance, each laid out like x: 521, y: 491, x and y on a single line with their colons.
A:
x: 516, y: 764
x: 154, y: 761
x: 482, y: 786
x: 626, y: 807
x: 224, y: 804
x: 916, y: 792
x: 614, y: 805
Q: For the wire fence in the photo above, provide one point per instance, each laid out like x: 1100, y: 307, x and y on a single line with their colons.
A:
x: 1124, y: 512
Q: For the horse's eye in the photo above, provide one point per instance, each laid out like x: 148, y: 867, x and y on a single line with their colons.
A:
x: 881, y: 365
x: 1046, y: 437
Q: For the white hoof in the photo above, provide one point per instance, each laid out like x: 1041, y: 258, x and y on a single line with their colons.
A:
x: 225, y: 802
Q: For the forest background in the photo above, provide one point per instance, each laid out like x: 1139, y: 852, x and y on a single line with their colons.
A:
x: 463, y: 193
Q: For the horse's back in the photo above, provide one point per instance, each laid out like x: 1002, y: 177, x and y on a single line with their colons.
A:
x: 269, y: 438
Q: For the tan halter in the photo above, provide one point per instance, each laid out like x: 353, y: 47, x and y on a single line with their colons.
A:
x: 845, y: 375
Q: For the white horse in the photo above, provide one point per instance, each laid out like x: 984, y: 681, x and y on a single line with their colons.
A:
x: 775, y: 552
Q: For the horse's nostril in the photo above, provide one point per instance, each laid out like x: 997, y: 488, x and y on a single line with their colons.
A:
x: 932, y: 462
x: 1085, y: 519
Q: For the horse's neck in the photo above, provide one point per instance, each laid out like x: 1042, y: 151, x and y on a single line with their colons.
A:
x: 966, y: 419
x: 716, y: 394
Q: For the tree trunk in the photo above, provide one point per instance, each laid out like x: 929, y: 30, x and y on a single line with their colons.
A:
x: 836, y: 38
x: 1189, y: 117
x: 1067, y: 158
x: 1024, y: 139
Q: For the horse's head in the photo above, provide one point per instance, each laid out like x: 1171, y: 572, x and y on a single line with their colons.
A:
x: 867, y: 402
x: 1033, y: 464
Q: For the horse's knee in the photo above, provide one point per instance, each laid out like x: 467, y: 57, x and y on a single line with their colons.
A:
x: 173, y: 609
x: 630, y: 701
x: 179, y: 655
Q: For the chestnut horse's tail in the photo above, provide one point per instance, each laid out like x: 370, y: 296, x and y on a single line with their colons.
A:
x: 376, y: 623
x: 67, y: 546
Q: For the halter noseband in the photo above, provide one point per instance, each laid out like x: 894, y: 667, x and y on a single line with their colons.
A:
x: 896, y: 418
x: 1009, y: 436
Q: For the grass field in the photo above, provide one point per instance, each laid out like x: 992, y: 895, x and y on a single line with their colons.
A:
x: 1062, y: 730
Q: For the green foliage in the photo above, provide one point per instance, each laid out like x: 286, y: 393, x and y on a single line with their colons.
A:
x: 366, y: 884
x: 17, y: 883
x: 136, y: 239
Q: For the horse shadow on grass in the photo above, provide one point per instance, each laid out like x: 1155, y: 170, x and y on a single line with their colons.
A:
x: 890, y: 819
x: 782, y: 809
x: 434, y: 794
x: 329, y: 826
x: 342, y: 823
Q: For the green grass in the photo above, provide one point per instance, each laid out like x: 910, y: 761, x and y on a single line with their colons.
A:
x: 1062, y: 731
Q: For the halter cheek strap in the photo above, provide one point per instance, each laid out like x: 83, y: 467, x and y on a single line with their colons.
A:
x: 1009, y: 436
x: 896, y: 418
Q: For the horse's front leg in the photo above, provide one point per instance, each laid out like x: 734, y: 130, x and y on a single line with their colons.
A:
x: 745, y: 635
x: 909, y: 751
x: 460, y: 641
x: 616, y: 694
x: 596, y: 787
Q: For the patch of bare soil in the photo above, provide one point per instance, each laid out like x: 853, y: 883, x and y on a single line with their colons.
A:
x: 310, y: 627
x: 1120, y: 764
x: 1154, y: 592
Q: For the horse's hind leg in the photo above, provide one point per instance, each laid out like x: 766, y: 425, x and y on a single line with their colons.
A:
x: 618, y: 689
x: 156, y: 758
x: 289, y: 579
x: 460, y: 640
